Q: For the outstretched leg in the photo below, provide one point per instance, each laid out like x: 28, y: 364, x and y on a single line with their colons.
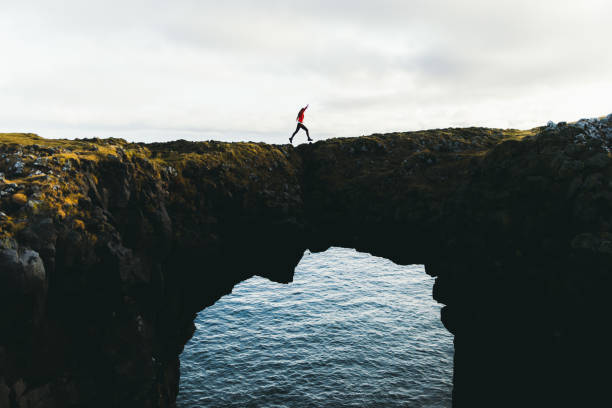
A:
x: 307, y: 134
x: 296, y: 130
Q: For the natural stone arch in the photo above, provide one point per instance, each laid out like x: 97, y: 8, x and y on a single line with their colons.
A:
x: 515, y: 226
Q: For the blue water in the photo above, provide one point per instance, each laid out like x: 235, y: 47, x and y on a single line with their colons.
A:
x: 352, y: 330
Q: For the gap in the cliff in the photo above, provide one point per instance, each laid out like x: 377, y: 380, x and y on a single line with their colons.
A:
x: 352, y: 329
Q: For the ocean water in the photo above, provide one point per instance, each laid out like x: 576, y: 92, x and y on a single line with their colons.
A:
x: 352, y: 330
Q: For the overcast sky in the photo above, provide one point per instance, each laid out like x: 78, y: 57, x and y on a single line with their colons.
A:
x: 240, y: 70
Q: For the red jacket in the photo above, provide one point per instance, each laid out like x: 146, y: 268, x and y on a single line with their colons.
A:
x: 300, y: 117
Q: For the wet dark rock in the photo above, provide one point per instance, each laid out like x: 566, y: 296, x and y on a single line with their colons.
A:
x: 598, y: 161
x: 4, y: 395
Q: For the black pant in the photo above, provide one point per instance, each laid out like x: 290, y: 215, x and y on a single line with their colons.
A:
x: 300, y: 126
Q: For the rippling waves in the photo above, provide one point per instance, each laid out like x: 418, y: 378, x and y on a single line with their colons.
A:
x: 352, y: 330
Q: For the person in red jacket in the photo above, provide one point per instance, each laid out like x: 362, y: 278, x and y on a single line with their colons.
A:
x: 300, y: 125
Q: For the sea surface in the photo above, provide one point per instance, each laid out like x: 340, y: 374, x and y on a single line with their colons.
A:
x: 352, y: 330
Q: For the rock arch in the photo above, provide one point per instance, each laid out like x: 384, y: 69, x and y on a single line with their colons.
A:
x: 119, y: 246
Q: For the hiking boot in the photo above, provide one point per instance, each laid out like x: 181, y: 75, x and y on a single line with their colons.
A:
x: 291, y: 140
x: 310, y: 140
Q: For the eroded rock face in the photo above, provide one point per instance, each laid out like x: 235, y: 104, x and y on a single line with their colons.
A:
x: 119, y: 245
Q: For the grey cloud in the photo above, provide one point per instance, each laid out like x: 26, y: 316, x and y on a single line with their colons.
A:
x: 238, y: 67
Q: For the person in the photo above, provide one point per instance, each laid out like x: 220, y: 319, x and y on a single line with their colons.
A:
x: 300, y: 125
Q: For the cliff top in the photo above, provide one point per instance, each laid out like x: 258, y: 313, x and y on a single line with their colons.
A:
x: 42, y: 176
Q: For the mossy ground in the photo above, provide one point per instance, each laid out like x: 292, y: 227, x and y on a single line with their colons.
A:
x: 52, y: 174
x: 425, y: 160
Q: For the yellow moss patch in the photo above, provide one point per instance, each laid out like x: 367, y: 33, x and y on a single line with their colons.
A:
x: 78, y: 225
x: 71, y: 200
x: 67, y: 156
x: 19, y: 198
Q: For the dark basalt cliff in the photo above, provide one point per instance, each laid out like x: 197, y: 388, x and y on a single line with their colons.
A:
x: 109, y: 249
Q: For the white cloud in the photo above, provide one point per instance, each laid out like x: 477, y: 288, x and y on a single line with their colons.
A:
x: 238, y: 70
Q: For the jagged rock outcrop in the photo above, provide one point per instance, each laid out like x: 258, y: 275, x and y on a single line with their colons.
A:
x: 109, y: 249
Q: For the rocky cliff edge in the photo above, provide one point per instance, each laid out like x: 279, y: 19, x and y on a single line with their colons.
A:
x: 108, y: 249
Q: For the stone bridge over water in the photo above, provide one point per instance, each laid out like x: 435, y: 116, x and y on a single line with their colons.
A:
x: 109, y: 249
